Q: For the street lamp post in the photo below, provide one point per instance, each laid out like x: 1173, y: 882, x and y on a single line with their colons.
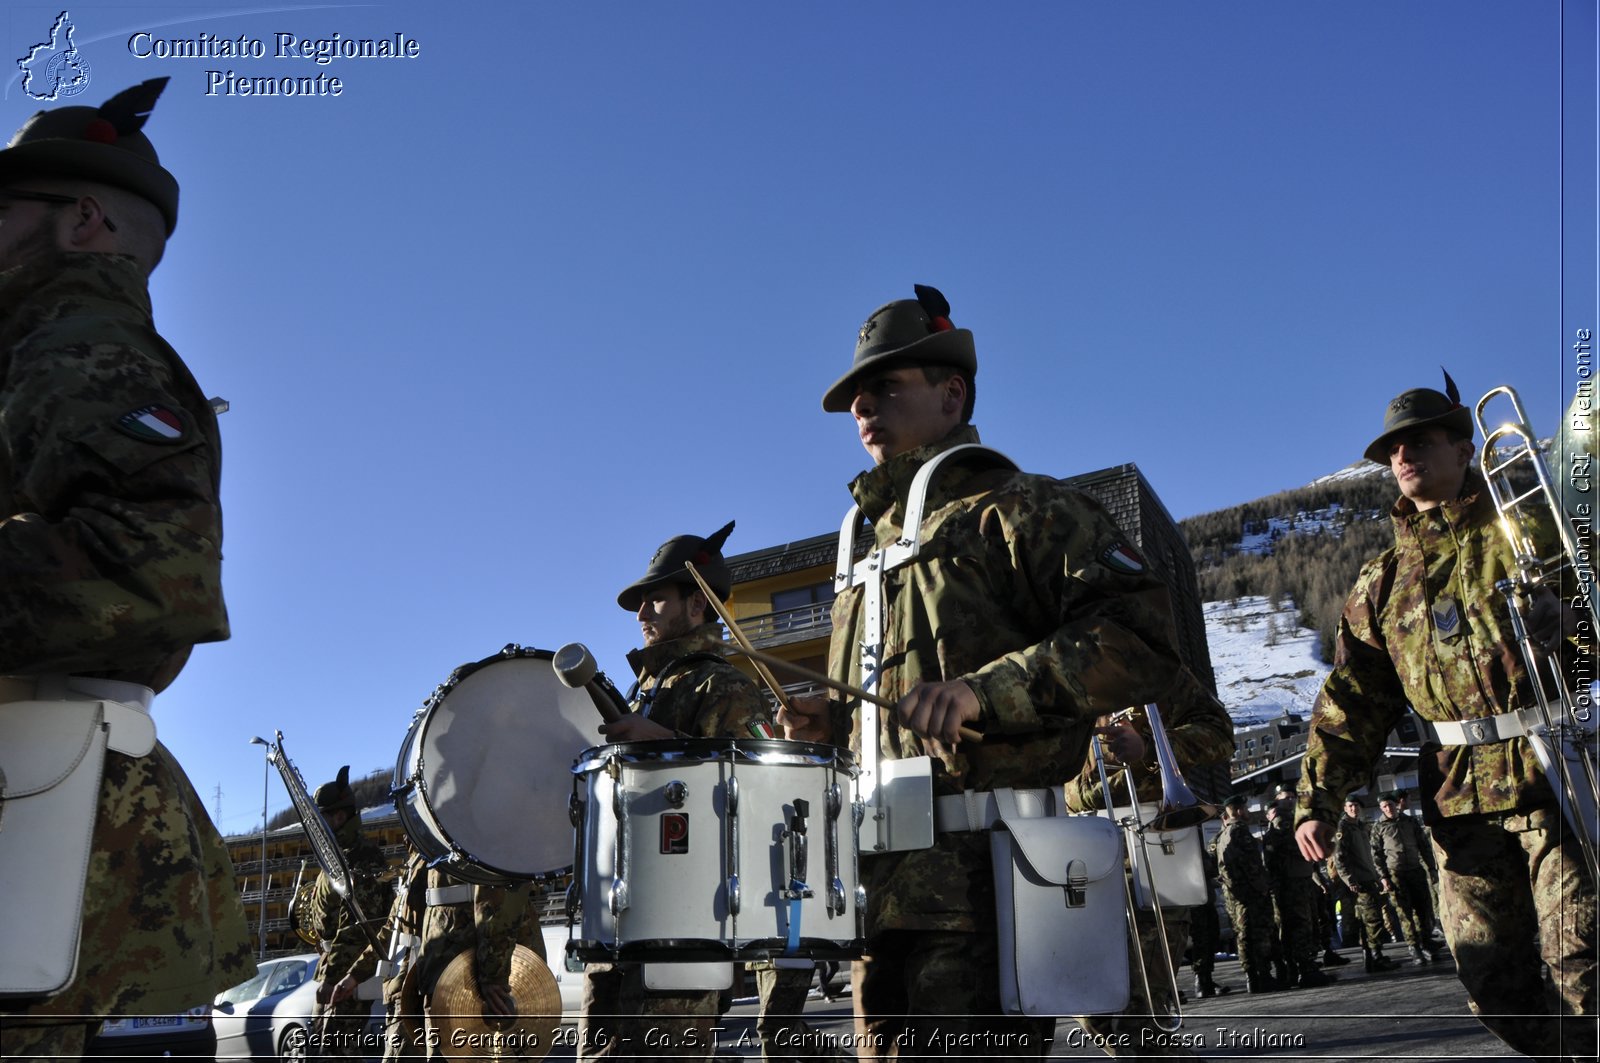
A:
x: 265, y: 777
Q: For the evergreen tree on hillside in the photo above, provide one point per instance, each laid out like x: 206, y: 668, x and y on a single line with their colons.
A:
x: 1315, y: 568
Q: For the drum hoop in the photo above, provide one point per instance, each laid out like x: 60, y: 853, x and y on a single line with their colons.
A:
x: 454, y: 858
x: 740, y: 750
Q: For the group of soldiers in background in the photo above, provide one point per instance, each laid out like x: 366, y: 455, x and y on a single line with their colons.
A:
x: 1287, y: 911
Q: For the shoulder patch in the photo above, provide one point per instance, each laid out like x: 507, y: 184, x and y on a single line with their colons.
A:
x: 1121, y: 557
x: 154, y: 423
x: 762, y: 729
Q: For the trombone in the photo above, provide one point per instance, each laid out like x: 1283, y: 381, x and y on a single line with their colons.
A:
x: 1178, y: 809
x: 1562, y: 732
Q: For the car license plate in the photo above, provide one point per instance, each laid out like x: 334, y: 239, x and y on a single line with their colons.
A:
x: 143, y: 1022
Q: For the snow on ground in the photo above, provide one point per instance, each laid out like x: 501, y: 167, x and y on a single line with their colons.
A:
x: 1256, y: 681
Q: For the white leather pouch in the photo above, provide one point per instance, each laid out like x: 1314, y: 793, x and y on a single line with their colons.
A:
x: 1174, y: 859
x: 52, y: 754
x: 1062, y: 913
x: 681, y: 977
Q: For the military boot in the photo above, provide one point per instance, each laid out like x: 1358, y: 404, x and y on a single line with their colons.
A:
x: 1259, y: 982
x: 1331, y: 958
x: 1283, y: 973
x: 1204, y: 987
x: 1311, y: 977
x: 1377, y: 961
x: 1419, y: 958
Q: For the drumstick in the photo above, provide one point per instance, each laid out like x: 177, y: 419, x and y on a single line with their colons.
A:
x: 760, y: 658
x: 738, y: 636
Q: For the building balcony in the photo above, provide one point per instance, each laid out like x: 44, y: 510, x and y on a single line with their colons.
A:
x: 779, y: 628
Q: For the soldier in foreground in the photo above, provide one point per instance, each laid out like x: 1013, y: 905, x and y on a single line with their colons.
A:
x: 1026, y: 616
x: 1425, y: 626
x: 685, y: 689
x: 347, y: 959
x: 110, y: 573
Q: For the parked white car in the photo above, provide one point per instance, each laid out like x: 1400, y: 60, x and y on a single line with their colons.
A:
x: 269, y: 1016
x: 186, y: 1034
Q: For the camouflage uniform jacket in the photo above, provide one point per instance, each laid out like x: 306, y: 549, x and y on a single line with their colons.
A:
x: 1281, y: 855
x: 700, y: 697
x: 1352, y: 856
x: 347, y: 950
x: 110, y: 565
x: 1239, y: 864
x: 1425, y: 626
x: 110, y: 528
x: 493, y: 923
x: 1026, y: 590
x: 1199, y: 730
x: 1398, y: 845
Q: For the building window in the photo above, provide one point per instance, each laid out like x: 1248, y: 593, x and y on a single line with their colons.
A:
x: 799, y: 597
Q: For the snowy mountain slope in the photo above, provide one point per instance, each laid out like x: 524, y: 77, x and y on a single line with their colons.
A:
x: 1256, y: 679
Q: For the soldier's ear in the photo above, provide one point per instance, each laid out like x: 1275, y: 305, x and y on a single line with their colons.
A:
x: 955, y: 393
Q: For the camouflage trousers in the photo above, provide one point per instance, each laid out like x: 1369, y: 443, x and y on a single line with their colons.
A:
x: 1413, y: 901
x: 403, y: 1038
x: 1369, y: 914
x: 1513, y: 892
x: 1253, y: 931
x: 1294, y: 905
x: 622, y: 1020
x: 337, y: 1030
x: 784, y: 1034
x: 44, y: 1041
x: 931, y: 994
x: 1135, y: 1033
x: 1205, y: 933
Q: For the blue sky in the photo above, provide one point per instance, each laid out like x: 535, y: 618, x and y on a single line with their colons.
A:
x: 498, y: 319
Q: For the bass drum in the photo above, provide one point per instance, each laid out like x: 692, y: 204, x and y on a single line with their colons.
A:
x: 482, y: 778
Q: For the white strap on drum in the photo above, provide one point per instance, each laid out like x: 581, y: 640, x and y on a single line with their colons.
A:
x: 871, y: 784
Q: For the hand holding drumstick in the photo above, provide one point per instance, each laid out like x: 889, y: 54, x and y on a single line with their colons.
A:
x: 933, y: 710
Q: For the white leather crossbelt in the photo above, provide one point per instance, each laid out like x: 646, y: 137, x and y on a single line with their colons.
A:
x: 126, y: 706
x: 1476, y: 732
x: 449, y: 895
x: 977, y: 810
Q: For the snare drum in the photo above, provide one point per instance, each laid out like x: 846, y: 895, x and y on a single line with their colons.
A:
x: 717, y: 849
x: 479, y: 781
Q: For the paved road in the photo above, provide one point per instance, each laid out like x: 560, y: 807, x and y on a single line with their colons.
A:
x: 1411, y: 1014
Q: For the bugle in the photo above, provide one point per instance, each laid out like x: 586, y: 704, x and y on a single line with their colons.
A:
x: 1561, y: 726
x: 1177, y: 810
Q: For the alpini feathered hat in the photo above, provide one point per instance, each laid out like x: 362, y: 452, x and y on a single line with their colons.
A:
x: 332, y: 796
x: 905, y: 332
x: 1419, y: 408
x: 667, y: 566
x: 103, y: 144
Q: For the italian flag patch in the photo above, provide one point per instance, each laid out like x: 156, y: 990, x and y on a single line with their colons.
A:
x: 153, y: 424
x: 1121, y: 557
x: 762, y: 729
